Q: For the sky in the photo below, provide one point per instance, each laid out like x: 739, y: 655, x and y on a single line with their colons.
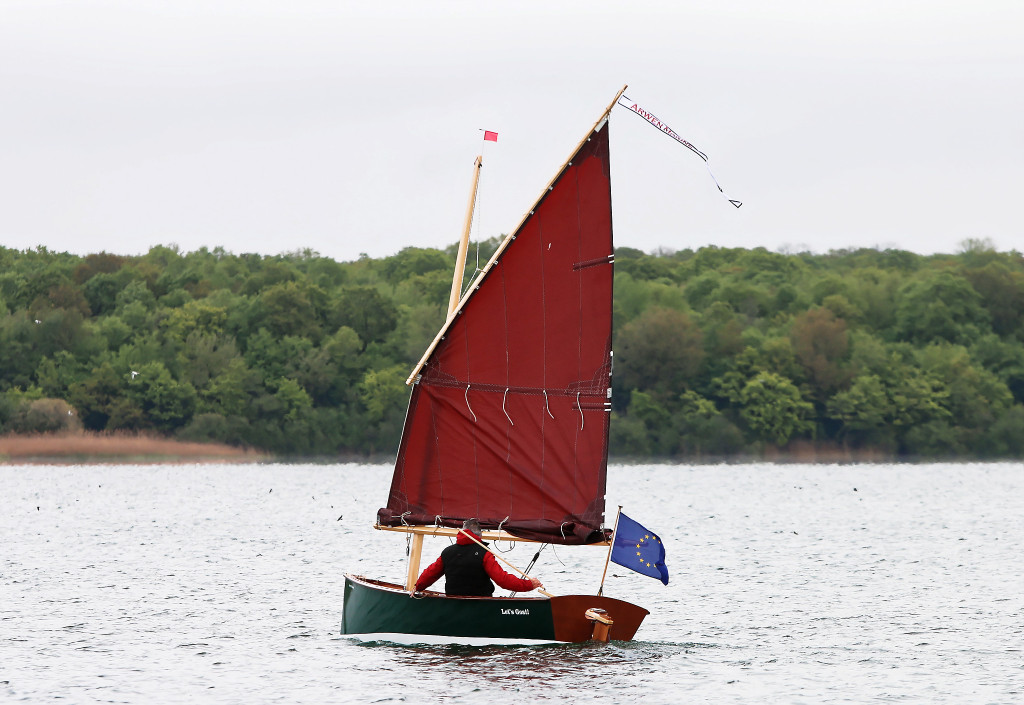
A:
x: 350, y: 128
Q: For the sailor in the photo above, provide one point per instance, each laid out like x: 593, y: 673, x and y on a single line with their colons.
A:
x: 469, y: 568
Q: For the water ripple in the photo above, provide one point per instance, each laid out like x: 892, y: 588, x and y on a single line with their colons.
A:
x: 790, y: 584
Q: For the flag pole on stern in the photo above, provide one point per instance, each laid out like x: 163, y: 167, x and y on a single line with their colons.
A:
x: 611, y: 544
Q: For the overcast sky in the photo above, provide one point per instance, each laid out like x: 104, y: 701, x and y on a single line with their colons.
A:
x: 351, y: 127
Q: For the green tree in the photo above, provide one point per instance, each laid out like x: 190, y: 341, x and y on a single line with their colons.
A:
x: 661, y: 351
x: 1002, y: 294
x: 1005, y: 438
x: 416, y: 261
x: 167, y: 403
x: 940, y: 307
x: 295, y: 402
x: 204, y: 356
x: 705, y: 431
x: 46, y: 416
x: 232, y: 392
x: 865, y: 411
x: 821, y: 344
x: 290, y: 309
x: 366, y: 311
x: 102, y: 400
x: 101, y: 290
x: 975, y: 397
x: 773, y: 408
x: 383, y: 392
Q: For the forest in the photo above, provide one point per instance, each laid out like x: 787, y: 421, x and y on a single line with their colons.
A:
x: 719, y: 353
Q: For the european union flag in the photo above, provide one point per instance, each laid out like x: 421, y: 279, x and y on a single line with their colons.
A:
x: 638, y: 549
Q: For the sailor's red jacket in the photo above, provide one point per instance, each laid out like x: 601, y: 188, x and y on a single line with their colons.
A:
x: 504, y: 580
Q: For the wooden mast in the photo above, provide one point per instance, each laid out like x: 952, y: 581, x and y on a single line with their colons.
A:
x: 416, y: 542
x: 460, y: 261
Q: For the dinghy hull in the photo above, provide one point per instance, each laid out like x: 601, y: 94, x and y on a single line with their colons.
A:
x: 377, y: 607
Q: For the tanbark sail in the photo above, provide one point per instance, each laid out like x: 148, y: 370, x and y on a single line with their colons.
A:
x: 508, y: 418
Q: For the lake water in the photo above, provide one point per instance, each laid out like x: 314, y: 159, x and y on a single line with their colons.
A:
x: 789, y: 584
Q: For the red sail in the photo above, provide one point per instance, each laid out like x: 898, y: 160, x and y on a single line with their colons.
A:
x: 508, y: 422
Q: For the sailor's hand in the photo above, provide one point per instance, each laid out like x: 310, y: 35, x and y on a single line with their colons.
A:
x: 536, y: 583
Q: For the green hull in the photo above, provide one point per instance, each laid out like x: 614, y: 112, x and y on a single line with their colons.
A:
x: 375, y: 607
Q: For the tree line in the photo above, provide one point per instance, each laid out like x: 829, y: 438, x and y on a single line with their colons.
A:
x: 719, y: 351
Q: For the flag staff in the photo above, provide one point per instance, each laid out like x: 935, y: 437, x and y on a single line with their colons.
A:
x: 611, y: 545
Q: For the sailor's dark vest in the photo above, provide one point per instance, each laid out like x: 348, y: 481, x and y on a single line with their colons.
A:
x: 464, y: 572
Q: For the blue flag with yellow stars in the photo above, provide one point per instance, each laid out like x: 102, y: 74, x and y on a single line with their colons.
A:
x: 638, y: 549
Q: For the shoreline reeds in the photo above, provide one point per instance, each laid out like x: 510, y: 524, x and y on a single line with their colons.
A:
x: 122, y: 447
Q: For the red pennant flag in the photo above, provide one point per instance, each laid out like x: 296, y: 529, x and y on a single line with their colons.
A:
x: 490, y: 136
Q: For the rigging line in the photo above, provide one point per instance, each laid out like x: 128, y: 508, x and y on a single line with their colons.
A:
x: 408, y: 536
x: 546, y: 405
x: 503, y: 407
x: 532, y: 563
x: 512, y: 544
x: 536, y: 556
x: 437, y: 525
x: 561, y: 530
x: 467, y: 404
x: 580, y: 409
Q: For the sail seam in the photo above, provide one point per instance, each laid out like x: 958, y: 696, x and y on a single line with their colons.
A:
x: 544, y: 353
x: 437, y: 454
x: 472, y: 433
x: 580, y: 323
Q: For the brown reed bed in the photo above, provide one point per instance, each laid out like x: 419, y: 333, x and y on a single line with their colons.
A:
x: 118, y: 447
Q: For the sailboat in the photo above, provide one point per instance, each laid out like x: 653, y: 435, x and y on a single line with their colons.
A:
x: 508, y: 419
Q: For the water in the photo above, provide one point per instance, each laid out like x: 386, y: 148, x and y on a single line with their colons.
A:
x: 789, y: 584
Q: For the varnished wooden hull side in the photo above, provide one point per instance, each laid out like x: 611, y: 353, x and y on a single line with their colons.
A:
x: 375, y: 607
x: 571, y: 625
